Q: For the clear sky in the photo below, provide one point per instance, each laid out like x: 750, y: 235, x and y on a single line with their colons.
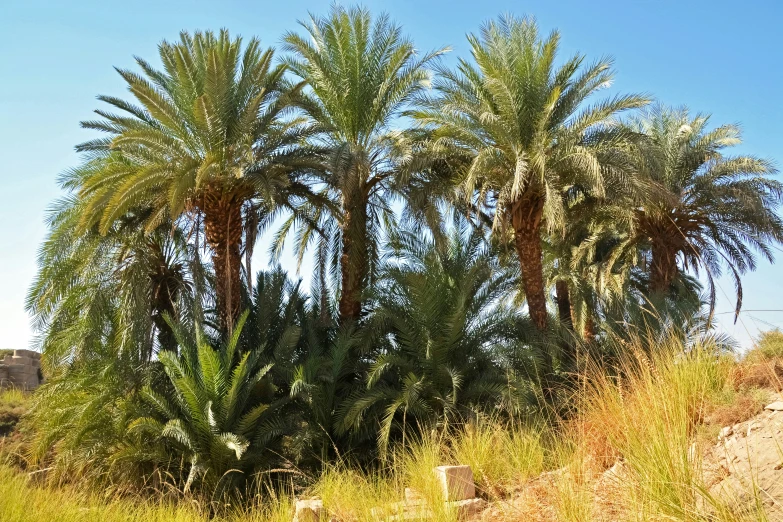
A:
x: 721, y: 57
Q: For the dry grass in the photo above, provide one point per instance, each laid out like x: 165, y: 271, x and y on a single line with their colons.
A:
x: 739, y: 408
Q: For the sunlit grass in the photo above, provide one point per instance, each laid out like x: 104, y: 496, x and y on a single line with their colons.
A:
x: 647, y: 414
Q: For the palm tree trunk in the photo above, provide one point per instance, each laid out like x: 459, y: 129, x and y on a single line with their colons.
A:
x: 164, y: 294
x: 323, y: 290
x: 251, y: 233
x: 565, y: 313
x: 166, y: 339
x: 588, y: 331
x: 223, y: 230
x: 526, y: 220
x: 564, y: 303
x: 353, y: 261
x: 663, y: 269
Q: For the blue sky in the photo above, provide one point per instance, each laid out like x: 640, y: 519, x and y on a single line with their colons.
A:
x: 714, y: 56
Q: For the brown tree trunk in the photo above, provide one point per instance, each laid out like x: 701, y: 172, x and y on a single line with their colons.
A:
x: 223, y: 230
x: 251, y: 233
x: 564, y: 303
x: 526, y: 220
x: 565, y: 313
x: 589, y: 328
x: 163, y: 281
x: 163, y: 297
x: 353, y: 261
x: 663, y: 269
x: 323, y: 290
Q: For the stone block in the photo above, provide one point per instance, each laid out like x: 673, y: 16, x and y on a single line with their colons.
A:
x: 466, y: 509
x: 402, y: 512
x: 309, y: 510
x: 23, y: 376
x: 21, y: 361
x: 775, y: 406
x: 412, y: 496
x: 456, y: 482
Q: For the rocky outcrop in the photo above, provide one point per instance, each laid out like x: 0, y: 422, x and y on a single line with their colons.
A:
x: 21, y: 370
x: 746, y: 465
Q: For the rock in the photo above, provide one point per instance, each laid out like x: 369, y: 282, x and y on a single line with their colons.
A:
x: 309, y: 510
x: 456, y: 482
x: 775, y: 406
x: 401, y: 512
x: 726, y: 431
x: 467, y: 508
x: 616, y: 472
x: 413, y: 497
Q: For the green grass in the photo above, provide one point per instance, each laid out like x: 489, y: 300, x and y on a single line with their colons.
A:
x: 29, y: 503
x: 13, y: 404
x: 768, y: 346
x: 650, y: 417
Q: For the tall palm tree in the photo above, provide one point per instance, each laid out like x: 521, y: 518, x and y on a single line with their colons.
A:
x: 521, y: 120
x: 361, y: 74
x: 710, y: 210
x: 209, y: 135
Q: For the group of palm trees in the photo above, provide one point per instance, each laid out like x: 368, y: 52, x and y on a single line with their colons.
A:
x: 448, y: 209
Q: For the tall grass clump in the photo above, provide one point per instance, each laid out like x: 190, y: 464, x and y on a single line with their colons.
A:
x: 350, y: 494
x: 648, y: 412
x: 23, y: 501
x: 502, y: 455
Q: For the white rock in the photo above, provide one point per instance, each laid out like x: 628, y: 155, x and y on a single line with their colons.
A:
x: 309, y: 510
x: 401, y: 512
x: 775, y: 406
x: 726, y: 431
x: 456, y: 482
x: 412, y: 496
x: 467, y: 508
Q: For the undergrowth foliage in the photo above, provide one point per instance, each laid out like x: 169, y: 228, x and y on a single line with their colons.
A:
x: 506, y: 276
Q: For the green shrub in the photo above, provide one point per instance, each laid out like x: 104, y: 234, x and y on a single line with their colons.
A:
x: 13, y: 405
x: 770, y: 344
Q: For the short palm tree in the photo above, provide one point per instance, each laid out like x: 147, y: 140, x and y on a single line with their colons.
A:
x: 209, y: 136
x: 89, y: 283
x: 710, y: 210
x: 442, y: 316
x: 522, y: 122
x: 212, y: 415
x: 361, y: 75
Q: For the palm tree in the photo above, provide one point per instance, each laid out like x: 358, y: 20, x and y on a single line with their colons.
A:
x: 361, y: 75
x: 89, y: 283
x: 522, y: 122
x: 710, y: 210
x: 440, y: 316
x: 212, y: 415
x: 208, y: 136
